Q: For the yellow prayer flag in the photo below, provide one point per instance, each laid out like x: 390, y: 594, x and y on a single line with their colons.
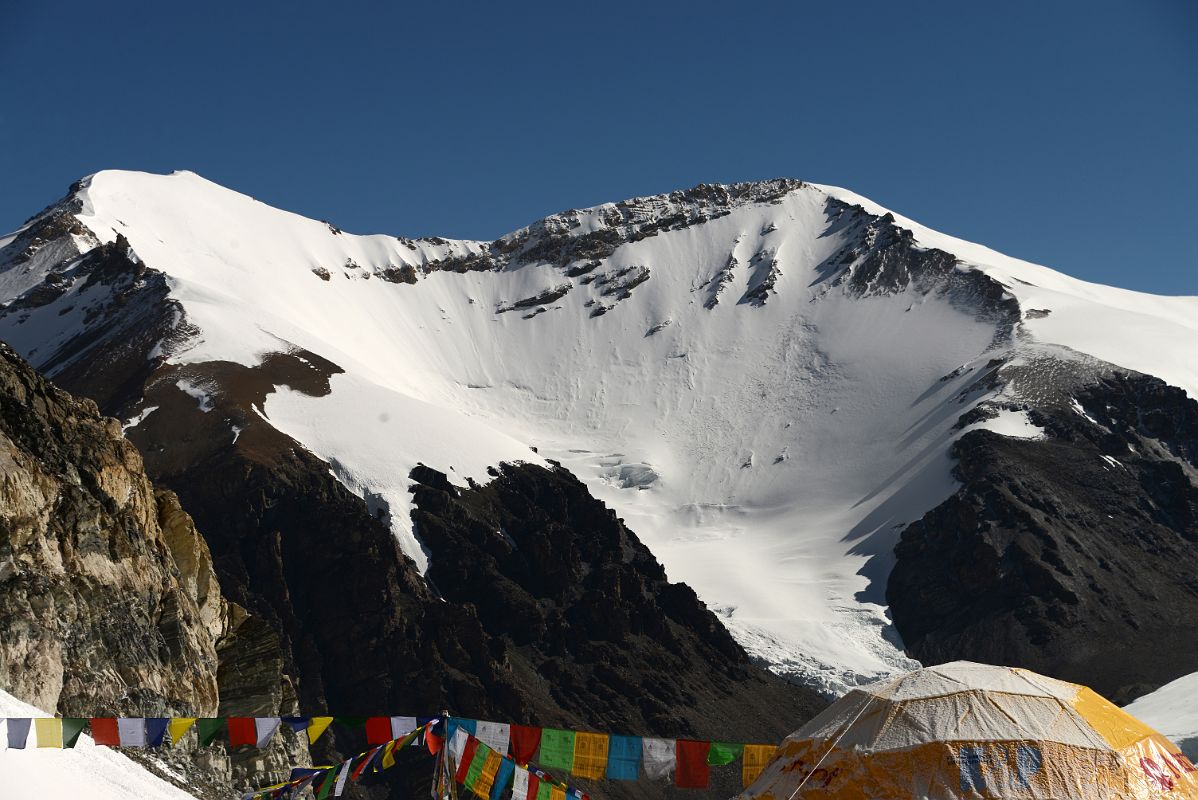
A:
x: 590, y: 755
x: 756, y: 756
x: 486, y: 778
x: 317, y: 726
x: 557, y: 793
x: 180, y: 726
x: 389, y: 754
x: 49, y: 732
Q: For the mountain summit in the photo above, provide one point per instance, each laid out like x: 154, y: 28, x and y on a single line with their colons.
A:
x: 860, y: 441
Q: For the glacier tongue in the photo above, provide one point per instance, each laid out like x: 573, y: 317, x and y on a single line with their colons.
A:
x: 764, y: 430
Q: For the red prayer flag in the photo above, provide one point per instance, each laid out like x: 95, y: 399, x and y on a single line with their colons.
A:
x: 242, y: 731
x: 467, y: 757
x: 524, y: 743
x: 104, y: 732
x: 378, y: 730
x: 433, y: 741
x: 691, y: 771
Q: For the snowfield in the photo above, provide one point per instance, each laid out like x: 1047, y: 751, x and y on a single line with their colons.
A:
x: 767, y: 455
x: 1172, y: 710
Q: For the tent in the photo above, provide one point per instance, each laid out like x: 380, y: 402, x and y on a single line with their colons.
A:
x: 965, y: 731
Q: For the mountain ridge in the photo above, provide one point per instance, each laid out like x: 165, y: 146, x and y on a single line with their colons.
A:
x: 795, y: 301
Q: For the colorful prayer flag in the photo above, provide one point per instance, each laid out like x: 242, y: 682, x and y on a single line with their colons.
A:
x: 358, y: 770
x: 325, y: 785
x: 264, y: 730
x: 49, y: 732
x: 207, y: 728
x: 378, y: 730
x: 557, y: 749
x: 317, y: 726
x: 466, y: 759
x: 180, y: 726
x: 389, y: 754
x: 457, y: 745
x: 72, y: 727
x: 18, y: 732
x: 132, y: 731
x: 624, y: 758
x: 296, y: 724
x: 457, y: 722
x: 345, y: 768
x: 692, y: 771
x: 659, y: 757
x: 722, y: 753
x: 104, y: 732
x: 483, y: 771
x: 494, y: 735
x: 590, y: 755
x: 524, y: 742
x: 524, y: 785
x: 755, y: 759
x: 402, y: 726
x: 156, y: 731
x: 242, y: 731
x: 502, y: 778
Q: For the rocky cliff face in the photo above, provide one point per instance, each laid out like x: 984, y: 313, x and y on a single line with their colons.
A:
x: 109, y: 604
x: 1074, y: 554
x: 109, y: 599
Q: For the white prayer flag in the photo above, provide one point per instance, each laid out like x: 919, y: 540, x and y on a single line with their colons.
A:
x: 402, y: 726
x: 659, y: 757
x: 494, y: 735
x: 265, y: 728
x: 457, y: 745
x: 520, y: 784
x: 132, y: 731
x: 345, y: 770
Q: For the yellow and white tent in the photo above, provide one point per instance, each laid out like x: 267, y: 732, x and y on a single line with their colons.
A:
x: 965, y: 731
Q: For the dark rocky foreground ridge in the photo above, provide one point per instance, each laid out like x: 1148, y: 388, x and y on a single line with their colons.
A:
x: 1074, y: 555
x: 541, y: 607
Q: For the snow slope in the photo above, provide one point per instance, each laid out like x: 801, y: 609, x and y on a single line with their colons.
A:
x: 97, y: 773
x: 764, y: 453
x: 1172, y: 710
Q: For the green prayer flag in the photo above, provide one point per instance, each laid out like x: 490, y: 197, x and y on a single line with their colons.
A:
x: 476, y: 765
x: 351, y: 722
x: 207, y: 728
x: 544, y: 790
x: 71, y: 728
x: 557, y: 749
x: 326, y: 785
x: 722, y: 753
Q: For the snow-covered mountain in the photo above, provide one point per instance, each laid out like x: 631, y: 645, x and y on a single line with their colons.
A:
x: 769, y: 382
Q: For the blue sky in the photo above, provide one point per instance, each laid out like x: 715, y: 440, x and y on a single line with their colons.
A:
x: 1062, y: 132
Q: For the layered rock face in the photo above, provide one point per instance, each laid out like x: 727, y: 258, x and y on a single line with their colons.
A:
x: 109, y: 600
x: 1075, y: 554
x: 109, y: 604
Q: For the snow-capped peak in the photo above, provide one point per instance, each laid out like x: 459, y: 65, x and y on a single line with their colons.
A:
x: 763, y: 379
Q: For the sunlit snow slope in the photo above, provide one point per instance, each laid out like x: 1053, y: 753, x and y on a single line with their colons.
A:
x: 763, y: 450
x: 88, y: 771
x: 1172, y: 710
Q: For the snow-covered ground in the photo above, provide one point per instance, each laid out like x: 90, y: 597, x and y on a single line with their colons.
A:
x: 1172, y: 710
x: 86, y: 771
x: 763, y: 454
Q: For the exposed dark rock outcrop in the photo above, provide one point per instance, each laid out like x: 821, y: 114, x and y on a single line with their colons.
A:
x: 109, y: 604
x: 1075, y: 555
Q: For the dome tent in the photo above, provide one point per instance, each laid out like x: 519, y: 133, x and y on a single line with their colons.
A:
x: 965, y: 731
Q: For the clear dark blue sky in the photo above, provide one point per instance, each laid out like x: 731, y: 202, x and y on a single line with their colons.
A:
x: 1061, y: 132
